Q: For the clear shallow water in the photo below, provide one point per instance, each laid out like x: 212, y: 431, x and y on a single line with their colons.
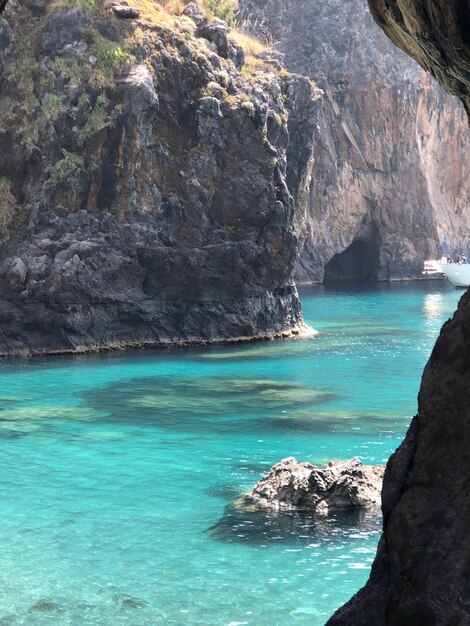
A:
x: 117, y: 471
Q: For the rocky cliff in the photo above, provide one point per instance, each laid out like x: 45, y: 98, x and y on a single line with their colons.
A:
x: 391, y: 179
x: 421, y: 572
x: 151, y: 181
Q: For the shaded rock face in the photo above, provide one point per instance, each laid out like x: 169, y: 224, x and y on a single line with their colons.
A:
x: 420, y: 575
x: 150, y: 194
x: 292, y: 486
x: 391, y: 179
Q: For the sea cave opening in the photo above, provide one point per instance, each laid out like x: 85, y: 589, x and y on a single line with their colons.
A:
x: 360, y: 261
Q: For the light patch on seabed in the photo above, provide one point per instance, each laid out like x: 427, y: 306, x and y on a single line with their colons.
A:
x: 294, y: 396
x: 31, y: 419
x: 386, y: 419
x: 219, y: 395
x: 48, y: 412
x: 103, y: 435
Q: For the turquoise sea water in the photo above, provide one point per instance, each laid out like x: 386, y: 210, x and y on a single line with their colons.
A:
x: 117, y: 471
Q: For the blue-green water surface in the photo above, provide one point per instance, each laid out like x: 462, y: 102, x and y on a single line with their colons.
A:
x: 117, y: 471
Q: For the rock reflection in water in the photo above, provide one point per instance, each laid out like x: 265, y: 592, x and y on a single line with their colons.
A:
x: 252, y: 526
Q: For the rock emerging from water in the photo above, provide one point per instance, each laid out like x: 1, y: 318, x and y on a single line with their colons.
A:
x: 291, y: 485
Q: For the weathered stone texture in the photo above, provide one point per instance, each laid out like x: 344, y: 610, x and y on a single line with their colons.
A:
x: 151, y: 192
x: 391, y: 178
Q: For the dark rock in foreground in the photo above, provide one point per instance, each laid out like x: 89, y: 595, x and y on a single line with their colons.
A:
x: 291, y: 485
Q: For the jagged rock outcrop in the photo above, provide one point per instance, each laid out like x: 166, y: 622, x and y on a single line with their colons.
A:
x: 292, y: 486
x: 391, y: 178
x: 420, y: 576
x: 149, y: 190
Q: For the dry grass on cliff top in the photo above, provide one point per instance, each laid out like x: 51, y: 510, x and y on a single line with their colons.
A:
x: 169, y: 13
x: 164, y: 13
x: 250, y: 44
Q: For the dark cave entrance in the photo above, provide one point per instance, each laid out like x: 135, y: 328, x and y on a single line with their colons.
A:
x: 360, y: 262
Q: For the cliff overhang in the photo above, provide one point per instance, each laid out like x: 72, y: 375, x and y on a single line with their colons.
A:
x: 436, y: 33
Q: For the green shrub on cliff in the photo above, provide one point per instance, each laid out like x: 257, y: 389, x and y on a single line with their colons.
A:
x: 111, y: 55
x: 7, y: 204
x: 223, y: 9
x: 81, y: 4
x: 69, y: 164
x: 99, y: 117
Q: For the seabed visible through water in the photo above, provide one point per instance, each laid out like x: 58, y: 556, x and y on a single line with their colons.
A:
x: 118, y: 470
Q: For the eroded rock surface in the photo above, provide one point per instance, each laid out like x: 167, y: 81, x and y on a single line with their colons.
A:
x: 149, y: 190
x: 291, y: 485
x: 391, y: 176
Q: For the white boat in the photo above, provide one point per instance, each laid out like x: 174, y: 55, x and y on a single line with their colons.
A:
x: 456, y: 273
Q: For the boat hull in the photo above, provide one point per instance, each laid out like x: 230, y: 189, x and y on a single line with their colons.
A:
x: 458, y: 275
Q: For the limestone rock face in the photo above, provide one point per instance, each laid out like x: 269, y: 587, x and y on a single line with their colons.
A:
x: 149, y: 191
x: 291, y: 485
x: 391, y: 179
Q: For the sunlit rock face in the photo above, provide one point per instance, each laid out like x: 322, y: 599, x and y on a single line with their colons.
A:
x: 291, y: 485
x: 391, y: 181
x: 150, y: 192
